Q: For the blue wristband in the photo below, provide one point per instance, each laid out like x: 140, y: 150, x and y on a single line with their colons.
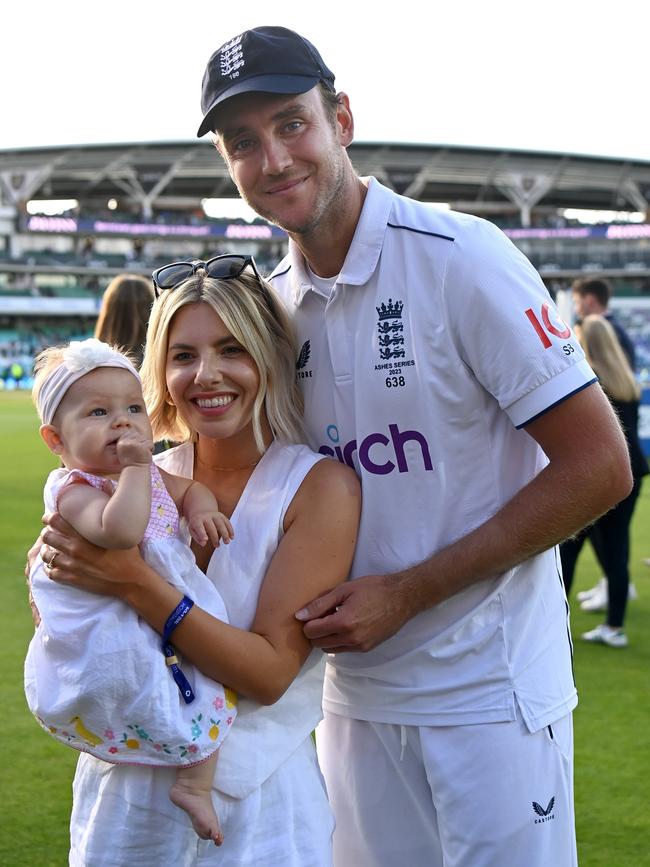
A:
x: 175, y: 617
x: 171, y: 623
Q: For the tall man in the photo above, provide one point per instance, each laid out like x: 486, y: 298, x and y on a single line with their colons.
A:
x: 433, y: 361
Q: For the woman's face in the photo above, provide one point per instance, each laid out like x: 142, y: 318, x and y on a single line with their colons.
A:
x: 211, y: 378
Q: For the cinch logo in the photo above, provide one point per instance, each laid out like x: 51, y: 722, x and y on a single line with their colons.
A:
x: 376, y: 446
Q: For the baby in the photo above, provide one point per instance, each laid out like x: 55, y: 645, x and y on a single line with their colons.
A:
x: 93, y: 669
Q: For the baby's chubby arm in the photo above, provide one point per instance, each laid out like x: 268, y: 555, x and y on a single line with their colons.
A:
x: 199, y: 507
x: 120, y: 520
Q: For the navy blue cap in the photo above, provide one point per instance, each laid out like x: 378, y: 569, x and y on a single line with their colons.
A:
x: 264, y: 59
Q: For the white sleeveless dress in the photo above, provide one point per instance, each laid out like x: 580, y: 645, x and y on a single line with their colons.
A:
x: 268, y: 791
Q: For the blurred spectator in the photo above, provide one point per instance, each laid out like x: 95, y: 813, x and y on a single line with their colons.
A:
x: 591, y: 296
x: 124, y: 314
x: 611, y: 532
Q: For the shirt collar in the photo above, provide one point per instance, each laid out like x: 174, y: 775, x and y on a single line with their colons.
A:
x: 362, y: 257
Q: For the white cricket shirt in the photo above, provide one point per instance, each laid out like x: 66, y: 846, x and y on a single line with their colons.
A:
x: 438, y: 343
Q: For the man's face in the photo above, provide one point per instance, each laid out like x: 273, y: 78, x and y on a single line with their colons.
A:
x: 286, y: 156
x: 577, y: 305
x: 584, y: 305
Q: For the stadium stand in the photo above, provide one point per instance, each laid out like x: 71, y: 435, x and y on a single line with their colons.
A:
x: 138, y: 205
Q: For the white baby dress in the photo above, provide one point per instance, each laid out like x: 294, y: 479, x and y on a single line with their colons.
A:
x: 96, y: 677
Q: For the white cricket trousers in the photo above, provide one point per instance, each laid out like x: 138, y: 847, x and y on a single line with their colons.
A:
x: 490, y: 795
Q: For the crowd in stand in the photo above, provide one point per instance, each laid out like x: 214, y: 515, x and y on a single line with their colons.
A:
x: 18, y: 350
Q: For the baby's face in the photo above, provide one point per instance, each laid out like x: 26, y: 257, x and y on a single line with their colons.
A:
x: 98, y: 409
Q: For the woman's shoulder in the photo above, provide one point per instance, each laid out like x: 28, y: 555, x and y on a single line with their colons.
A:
x: 301, y: 460
x: 305, y: 477
x: 326, y: 485
x: 332, y: 474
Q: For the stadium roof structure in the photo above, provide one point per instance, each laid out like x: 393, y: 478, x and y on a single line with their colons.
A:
x: 145, y: 177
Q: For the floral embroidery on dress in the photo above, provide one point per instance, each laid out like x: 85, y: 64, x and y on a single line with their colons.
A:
x: 137, y: 738
x: 196, y: 728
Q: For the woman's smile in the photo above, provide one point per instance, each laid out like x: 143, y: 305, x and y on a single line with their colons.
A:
x: 212, y: 402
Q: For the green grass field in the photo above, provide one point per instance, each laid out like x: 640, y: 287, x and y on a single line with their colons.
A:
x: 611, y: 723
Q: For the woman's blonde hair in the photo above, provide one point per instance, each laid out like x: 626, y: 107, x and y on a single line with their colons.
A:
x: 608, y: 360
x: 254, y: 315
x: 124, y: 313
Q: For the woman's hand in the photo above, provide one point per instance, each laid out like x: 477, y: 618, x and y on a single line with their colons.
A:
x: 70, y: 559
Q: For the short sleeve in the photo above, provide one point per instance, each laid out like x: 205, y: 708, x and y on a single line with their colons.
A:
x: 59, y: 479
x: 506, y: 327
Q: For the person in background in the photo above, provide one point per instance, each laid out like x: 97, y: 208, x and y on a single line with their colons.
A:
x: 591, y: 296
x: 123, y: 318
x: 611, y: 532
x: 124, y: 314
x: 434, y: 362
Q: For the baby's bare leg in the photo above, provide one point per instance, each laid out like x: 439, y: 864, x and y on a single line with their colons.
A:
x: 192, y: 793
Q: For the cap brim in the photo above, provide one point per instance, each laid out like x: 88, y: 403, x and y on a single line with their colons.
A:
x: 259, y: 84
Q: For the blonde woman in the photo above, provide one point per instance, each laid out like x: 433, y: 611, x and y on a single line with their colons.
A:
x: 219, y: 377
x: 610, y: 534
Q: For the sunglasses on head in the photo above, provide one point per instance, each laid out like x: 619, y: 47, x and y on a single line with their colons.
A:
x: 224, y: 267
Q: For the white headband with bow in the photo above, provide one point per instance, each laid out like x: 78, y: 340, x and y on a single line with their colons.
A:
x: 79, y: 358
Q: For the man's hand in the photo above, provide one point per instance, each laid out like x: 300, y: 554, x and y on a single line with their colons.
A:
x: 357, y: 615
